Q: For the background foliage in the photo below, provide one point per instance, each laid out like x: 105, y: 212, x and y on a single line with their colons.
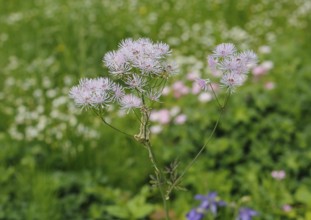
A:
x: 58, y: 162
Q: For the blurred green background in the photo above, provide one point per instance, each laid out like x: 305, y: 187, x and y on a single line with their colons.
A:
x: 58, y: 162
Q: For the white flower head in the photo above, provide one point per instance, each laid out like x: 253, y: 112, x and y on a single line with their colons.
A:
x: 224, y: 50
x: 248, y: 57
x: 212, y: 63
x: 117, y: 92
x: 232, y: 80
x: 116, y: 62
x: 92, y: 92
x: 136, y: 82
x: 130, y: 101
x: 154, y: 95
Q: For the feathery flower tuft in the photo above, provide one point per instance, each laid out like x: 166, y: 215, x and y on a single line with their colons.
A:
x: 130, y: 101
x: 142, y: 54
x: 232, y: 65
x: 224, y: 50
x: 92, y: 92
x: 231, y: 81
x: 202, y: 83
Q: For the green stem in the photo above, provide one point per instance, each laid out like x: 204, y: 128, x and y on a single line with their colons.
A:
x: 202, y: 148
x: 160, y: 178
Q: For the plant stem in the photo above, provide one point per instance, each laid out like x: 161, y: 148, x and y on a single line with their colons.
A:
x: 222, y: 108
x: 159, y: 176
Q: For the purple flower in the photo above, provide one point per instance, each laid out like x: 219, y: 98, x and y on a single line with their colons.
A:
x: 246, y: 214
x: 202, y: 83
x: 195, y: 214
x: 208, y: 203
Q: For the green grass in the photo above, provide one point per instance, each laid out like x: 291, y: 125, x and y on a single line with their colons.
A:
x: 58, y: 162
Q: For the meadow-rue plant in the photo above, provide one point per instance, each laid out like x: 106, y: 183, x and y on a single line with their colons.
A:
x: 138, y: 72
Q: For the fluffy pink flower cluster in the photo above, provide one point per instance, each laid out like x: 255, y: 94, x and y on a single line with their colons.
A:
x: 93, y: 92
x: 141, y: 66
x: 278, y: 174
x: 140, y: 56
x: 232, y: 65
x: 166, y: 116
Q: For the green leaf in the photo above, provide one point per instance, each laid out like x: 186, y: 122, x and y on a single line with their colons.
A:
x: 303, y: 195
x: 118, y: 211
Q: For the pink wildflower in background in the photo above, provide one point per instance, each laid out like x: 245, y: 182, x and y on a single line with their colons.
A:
x: 287, y: 208
x: 179, y: 89
x: 278, y: 174
x: 180, y: 119
x: 205, y: 97
x: 193, y: 75
x: 269, y: 85
x: 162, y: 116
x: 174, y: 111
x: 259, y: 70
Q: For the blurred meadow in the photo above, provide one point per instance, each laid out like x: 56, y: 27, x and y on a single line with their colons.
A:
x: 59, y: 162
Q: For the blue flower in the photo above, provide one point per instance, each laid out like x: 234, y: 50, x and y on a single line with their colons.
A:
x: 195, y: 214
x: 208, y: 203
x: 246, y: 214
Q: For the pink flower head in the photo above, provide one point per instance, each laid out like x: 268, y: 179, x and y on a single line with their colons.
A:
x: 193, y: 75
x: 179, y: 89
x: 287, y: 208
x: 224, y: 50
x: 205, y: 97
x: 202, y: 83
x: 278, y: 174
x: 196, y: 89
x: 259, y: 70
x: 232, y: 80
x: 130, y: 101
x: 269, y: 85
x: 162, y: 116
x: 180, y: 119
x: 92, y: 92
